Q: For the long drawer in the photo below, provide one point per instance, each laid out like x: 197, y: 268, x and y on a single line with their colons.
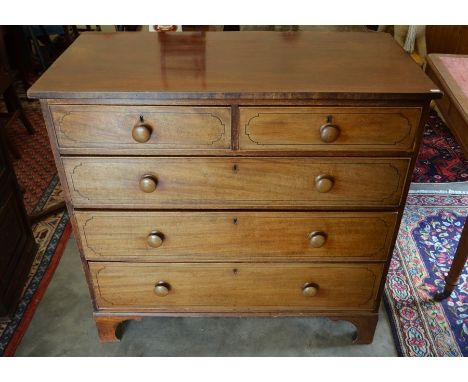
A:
x: 226, y: 183
x: 137, y: 128
x: 235, y: 286
x: 235, y: 236
x: 328, y: 128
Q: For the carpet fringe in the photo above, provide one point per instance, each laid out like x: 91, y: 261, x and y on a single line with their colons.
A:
x: 453, y: 188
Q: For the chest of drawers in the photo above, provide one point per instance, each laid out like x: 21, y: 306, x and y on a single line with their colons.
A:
x: 235, y: 173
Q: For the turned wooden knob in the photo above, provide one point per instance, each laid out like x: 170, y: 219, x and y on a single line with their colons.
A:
x: 155, y: 239
x: 310, y: 289
x: 317, y: 239
x: 329, y: 133
x: 324, y: 183
x: 142, y: 132
x: 162, y: 288
x: 148, y: 183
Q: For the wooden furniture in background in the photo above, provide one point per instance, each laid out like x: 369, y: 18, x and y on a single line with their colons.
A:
x: 449, y: 72
x: 17, y: 245
x: 452, y: 39
x: 13, y: 106
x: 268, y: 181
x: 14, y: 109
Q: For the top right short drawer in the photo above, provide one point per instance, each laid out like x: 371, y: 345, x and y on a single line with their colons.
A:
x: 328, y: 128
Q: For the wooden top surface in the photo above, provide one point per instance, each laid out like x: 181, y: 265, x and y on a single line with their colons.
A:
x: 237, y: 65
x: 452, y: 71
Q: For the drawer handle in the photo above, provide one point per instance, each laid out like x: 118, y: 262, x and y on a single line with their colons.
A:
x: 155, y: 239
x: 142, y: 132
x: 310, y: 289
x: 329, y: 133
x: 162, y: 288
x: 317, y: 239
x: 324, y: 183
x: 148, y: 183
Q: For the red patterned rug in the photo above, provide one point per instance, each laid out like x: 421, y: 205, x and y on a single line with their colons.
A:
x: 440, y: 159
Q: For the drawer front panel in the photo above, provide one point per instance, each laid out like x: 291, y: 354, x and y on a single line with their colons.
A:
x: 340, y: 128
x: 233, y: 236
x: 235, y: 286
x: 113, y: 127
x: 235, y: 182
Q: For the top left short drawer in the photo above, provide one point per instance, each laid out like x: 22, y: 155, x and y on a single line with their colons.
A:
x: 101, y: 129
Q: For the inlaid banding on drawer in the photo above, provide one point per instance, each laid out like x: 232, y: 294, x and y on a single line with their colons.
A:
x: 226, y: 183
x: 142, y: 127
x: 235, y: 286
x: 235, y: 236
x: 328, y: 128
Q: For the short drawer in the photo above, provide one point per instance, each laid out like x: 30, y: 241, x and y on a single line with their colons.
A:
x: 235, y: 236
x: 235, y: 286
x: 328, y: 128
x: 226, y: 183
x: 114, y: 129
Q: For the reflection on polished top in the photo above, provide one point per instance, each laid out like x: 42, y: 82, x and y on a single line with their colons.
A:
x: 266, y: 65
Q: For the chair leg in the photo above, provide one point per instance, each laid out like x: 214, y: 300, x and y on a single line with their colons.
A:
x: 37, y: 48
x: 458, y: 264
x: 13, y: 104
x: 26, y: 122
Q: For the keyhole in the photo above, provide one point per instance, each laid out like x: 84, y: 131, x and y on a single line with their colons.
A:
x: 234, y: 221
x: 235, y: 271
x: 234, y: 168
x: 329, y: 119
x: 141, y: 119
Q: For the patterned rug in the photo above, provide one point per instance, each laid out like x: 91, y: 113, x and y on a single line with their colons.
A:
x: 51, y: 234
x: 428, y: 237
x: 440, y: 159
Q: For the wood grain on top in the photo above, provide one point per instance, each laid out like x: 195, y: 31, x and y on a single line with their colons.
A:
x: 236, y: 65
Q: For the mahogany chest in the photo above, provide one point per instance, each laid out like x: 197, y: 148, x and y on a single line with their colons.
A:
x: 242, y: 173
